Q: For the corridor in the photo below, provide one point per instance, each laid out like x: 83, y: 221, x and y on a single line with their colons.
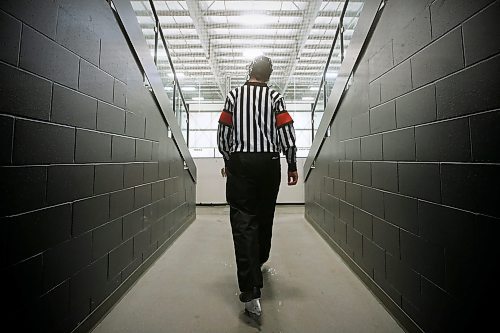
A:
x: 192, y: 286
x: 112, y: 187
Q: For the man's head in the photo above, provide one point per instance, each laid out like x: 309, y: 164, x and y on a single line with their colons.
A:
x: 260, y: 68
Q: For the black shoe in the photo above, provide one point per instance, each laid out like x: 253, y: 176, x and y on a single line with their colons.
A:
x: 247, y: 296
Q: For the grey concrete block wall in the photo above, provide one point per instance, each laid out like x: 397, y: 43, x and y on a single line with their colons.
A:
x: 91, y: 184
x: 411, y: 195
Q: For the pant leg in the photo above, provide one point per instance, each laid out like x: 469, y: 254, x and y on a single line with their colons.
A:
x: 241, y: 192
x: 268, y: 193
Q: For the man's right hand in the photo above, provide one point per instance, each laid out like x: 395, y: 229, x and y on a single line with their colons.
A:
x: 293, y: 177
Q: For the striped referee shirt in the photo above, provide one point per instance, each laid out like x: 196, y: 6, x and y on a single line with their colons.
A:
x: 254, y: 119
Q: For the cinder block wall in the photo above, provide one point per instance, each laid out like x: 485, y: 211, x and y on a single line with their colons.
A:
x: 90, y: 183
x: 407, y: 184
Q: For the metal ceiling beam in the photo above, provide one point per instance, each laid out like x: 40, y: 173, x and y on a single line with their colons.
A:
x: 238, y: 26
x: 204, y: 77
x: 277, y: 72
x: 246, y: 46
x: 230, y: 62
x: 197, y: 17
x: 199, y: 71
x: 319, y: 54
x: 215, y: 38
x: 313, y: 8
x: 277, y: 13
x: 208, y: 79
x: 189, y: 53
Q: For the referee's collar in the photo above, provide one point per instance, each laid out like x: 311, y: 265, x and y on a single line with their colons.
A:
x: 262, y: 84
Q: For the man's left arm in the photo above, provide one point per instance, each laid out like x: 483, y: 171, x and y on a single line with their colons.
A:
x: 287, y: 136
x: 286, y: 132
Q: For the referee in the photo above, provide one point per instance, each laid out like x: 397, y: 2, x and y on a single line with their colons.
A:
x: 254, y: 127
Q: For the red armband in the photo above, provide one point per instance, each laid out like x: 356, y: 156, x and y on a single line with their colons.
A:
x: 283, y: 118
x: 226, y: 118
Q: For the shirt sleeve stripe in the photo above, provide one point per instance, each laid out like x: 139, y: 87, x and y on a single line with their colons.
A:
x: 283, y: 118
x: 226, y: 118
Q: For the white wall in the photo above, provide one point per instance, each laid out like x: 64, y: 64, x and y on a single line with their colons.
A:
x: 211, y: 187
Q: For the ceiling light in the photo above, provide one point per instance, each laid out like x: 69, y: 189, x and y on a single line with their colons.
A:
x: 252, y: 53
x: 188, y: 88
x: 179, y: 75
x: 168, y: 88
x: 314, y: 88
x: 307, y: 98
x: 257, y: 19
x: 198, y: 99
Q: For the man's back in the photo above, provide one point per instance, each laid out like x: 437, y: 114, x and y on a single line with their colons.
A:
x: 254, y: 119
x: 254, y: 107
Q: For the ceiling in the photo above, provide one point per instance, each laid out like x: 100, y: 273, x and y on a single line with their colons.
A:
x: 211, y: 43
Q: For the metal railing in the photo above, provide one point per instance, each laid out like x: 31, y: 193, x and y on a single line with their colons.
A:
x: 333, y: 97
x: 178, y: 101
x: 127, y: 20
x: 337, y: 44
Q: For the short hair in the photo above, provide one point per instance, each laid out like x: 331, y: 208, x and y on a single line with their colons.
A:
x: 261, y: 68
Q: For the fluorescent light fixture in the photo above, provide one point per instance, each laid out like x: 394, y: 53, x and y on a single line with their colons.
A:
x: 198, y: 99
x: 168, y: 88
x: 314, y: 88
x: 188, y: 88
x: 308, y: 98
x: 256, y: 19
x: 331, y: 75
x: 179, y: 75
x: 252, y: 53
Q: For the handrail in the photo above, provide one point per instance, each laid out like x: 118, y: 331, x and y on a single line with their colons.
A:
x: 337, y: 31
x: 133, y: 33
x: 159, y: 30
x: 164, y: 42
x: 369, y: 16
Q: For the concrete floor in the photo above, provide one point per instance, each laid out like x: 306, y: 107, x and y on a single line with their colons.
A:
x: 193, y: 288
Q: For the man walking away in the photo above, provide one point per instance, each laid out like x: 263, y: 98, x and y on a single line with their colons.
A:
x: 254, y: 127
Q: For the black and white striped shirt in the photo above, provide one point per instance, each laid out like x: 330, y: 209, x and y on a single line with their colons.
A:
x: 254, y: 119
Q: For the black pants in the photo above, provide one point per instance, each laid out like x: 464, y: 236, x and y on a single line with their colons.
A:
x: 253, y: 181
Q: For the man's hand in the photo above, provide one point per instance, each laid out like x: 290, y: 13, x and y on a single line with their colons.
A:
x: 293, y: 176
x: 223, y: 172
